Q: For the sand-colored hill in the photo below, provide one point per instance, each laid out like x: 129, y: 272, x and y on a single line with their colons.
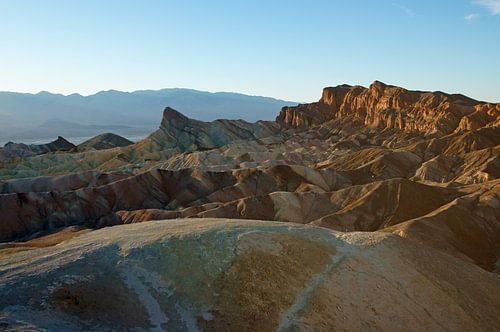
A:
x: 221, y: 275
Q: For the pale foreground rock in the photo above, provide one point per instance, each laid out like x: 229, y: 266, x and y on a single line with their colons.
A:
x: 241, y: 275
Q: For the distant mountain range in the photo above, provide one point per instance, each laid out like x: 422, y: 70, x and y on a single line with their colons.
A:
x: 25, y: 116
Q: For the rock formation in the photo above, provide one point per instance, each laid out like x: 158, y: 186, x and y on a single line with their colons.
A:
x: 383, y: 106
x: 417, y: 172
x: 178, y: 133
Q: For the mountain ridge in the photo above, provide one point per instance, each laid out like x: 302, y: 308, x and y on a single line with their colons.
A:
x: 385, y: 106
x: 21, y: 114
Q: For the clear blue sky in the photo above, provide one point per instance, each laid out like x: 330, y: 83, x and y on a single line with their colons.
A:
x: 282, y: 48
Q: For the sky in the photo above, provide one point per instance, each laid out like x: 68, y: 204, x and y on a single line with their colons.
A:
x: 287, y: 49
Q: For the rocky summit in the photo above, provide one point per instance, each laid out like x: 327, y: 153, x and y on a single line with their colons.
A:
x: 372, y: 209
x: 383, y: 106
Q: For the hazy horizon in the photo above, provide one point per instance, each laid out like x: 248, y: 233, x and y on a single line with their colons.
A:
x: 90, y: 94
x: 67, y: 94
x: 31, y: 118
x: 283, y: 49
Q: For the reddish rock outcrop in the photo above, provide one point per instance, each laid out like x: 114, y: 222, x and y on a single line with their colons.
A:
x: 383, y: 106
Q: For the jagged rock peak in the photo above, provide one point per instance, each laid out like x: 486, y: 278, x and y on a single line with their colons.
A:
x: 179, y: 132
x: 172, y: 117
x: 170, y: 113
